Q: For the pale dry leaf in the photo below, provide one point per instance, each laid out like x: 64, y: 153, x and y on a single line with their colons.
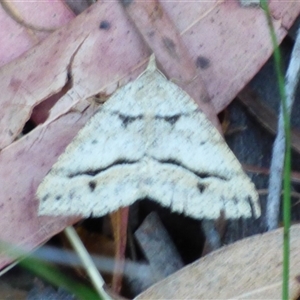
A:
x: 149, y: 140
x: 248, y: 269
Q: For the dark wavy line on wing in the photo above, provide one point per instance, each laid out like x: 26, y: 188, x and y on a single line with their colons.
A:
x: 94, y: 172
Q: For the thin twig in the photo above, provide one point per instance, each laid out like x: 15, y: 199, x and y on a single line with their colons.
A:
x: 295, y: 176
x: 87, y: 261
x: 276, y: 170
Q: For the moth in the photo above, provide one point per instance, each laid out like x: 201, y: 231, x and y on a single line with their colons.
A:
x: 149, y: 140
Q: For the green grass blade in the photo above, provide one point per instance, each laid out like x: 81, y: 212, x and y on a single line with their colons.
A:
x: 48, y: 272
x: 287, y: 160
x: 56, y: 278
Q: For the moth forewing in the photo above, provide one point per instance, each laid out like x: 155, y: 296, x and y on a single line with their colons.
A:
x: 149, y: 140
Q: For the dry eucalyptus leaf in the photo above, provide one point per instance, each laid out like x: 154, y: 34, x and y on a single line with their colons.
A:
x: 89, y: 49
x: 81, y: 55
x: 248, y: 269
x: 26, y: 23
x: 149, y: 140
x: 23, y: 227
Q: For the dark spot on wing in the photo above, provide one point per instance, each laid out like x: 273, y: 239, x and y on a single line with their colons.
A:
x: 45, y: 198
x: 201, y: 187
x: 171, y: 120
x: 94, y: 142
x: 126, y: 120
x: 105, y: 25
x: 92, y: 185
x: 58, y: 197
x: 202, y: 62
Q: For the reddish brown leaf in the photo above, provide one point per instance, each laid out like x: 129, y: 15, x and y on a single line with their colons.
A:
x: 119, y: 221
x: 25, y: 23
